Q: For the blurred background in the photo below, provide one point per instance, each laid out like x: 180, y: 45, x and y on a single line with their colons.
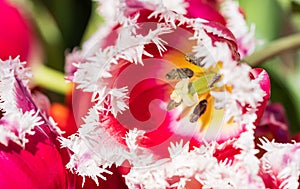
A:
x: 44, y: 31
x: 56, y: 27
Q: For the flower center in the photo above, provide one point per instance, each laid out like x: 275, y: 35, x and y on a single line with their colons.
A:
x: 192, y: 90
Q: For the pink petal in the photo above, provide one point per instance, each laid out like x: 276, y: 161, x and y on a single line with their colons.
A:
x: 265, y: 86
x: 280, y: 165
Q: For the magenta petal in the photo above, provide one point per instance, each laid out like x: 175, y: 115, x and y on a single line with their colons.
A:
x: 297, y: 137
x: 142, y: 95
x: 23, y: 97
x: 205, y: 10
x: 15, y: 33
x: 228, y: 38
x: 146, y: 113
x: 273, y: 124
x: 38, y: 165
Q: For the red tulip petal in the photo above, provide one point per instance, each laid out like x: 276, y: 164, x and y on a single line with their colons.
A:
x: 15, y: 33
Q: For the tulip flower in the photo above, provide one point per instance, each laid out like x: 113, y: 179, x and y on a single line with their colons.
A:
x: 168, y: 98
x: 30, y: 154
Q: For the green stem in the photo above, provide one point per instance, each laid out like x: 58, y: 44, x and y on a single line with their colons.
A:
x: 50, y: 79
x: 274, y: 49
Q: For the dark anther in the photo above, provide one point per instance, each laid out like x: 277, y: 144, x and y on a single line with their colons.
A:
x: 198, y: 111
x: 194, y: 60
x: 180, y: 73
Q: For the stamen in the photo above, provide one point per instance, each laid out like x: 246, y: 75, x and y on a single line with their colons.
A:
x: 194, y: 60
x: 1, y: 113
x: 214, y: 80
x: 180, y: 73
x: 172, y: 104
x: 1, y: 110
x: 198, y: 111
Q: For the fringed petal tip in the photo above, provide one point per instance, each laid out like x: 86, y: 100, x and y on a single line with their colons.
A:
x: 19, y: 113
x: 18, y: 116
x: 263, y: 79
x: 279, y: 166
